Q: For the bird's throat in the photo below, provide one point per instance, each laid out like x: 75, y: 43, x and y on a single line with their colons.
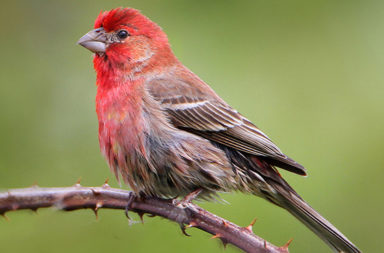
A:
x: 119, y: 111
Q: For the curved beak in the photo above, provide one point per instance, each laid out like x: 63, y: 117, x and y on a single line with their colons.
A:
x: 94, y: 40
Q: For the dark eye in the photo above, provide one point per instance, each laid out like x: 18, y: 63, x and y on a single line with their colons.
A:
x: 122, y: 34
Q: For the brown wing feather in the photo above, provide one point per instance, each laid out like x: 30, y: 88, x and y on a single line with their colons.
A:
x: 197, y: 109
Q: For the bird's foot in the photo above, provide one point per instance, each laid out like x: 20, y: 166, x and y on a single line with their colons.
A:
x: 128, y: 207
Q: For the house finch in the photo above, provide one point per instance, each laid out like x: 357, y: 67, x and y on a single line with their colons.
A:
x: 166, y: 133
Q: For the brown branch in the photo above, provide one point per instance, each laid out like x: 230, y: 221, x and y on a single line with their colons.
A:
x: 189, y: 215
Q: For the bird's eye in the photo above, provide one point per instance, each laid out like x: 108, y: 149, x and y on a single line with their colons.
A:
x: 122, y: 34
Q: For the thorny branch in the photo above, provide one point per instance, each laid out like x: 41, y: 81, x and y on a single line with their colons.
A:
x: 187, y: 215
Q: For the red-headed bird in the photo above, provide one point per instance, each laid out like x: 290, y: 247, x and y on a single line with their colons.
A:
x: 166, y: 133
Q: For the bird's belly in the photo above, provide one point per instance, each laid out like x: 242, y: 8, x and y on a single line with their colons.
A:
x: 173, y: 165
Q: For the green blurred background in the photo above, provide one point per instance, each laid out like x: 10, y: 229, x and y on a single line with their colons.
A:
x: 309, y: 73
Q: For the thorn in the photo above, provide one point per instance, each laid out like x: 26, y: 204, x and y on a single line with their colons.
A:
x: 96, y: 209
x: 225, y: 242
x: 34, y: 210
x: 96, y: 213
x: 182, y: 227
x: 77, y: 184
x: 225, y: 224
x: 216, y: 236
x: 98, y: 205
x: 192, y: 196
x: 265, y: 244
x: 286, y: 245
x: 192, y: 224
x: 250, y: 226
x: 106, y: 185
x: 34, y: 185
x: 187, y: 199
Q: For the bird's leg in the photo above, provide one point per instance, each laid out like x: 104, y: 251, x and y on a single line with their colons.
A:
x: 131, y: 198
x: 188, y: 198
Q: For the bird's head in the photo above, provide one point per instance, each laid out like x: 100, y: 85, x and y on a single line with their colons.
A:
x: 124, y: 36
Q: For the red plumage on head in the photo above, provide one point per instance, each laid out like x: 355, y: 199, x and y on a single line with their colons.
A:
x: 115, y: 19
x: 147, y: 43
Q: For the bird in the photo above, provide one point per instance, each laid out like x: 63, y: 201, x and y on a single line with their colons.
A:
x: 166, y: 133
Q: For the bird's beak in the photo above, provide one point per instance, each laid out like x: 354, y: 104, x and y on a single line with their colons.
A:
x: 94, y: 40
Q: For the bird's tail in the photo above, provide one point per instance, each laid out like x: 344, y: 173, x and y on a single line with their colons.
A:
x: 293, y: 203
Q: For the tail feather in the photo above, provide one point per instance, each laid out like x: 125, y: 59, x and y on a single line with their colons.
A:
x: 275, y: 189
x: 293, y: 203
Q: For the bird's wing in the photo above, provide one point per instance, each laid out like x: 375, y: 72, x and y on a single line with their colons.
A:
x: 197, y: 109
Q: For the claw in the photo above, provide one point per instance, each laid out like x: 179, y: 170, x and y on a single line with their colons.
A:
x: 141, y: 215
x: 183, y: 228
x: 126, y: 211
x: 130, y: 200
